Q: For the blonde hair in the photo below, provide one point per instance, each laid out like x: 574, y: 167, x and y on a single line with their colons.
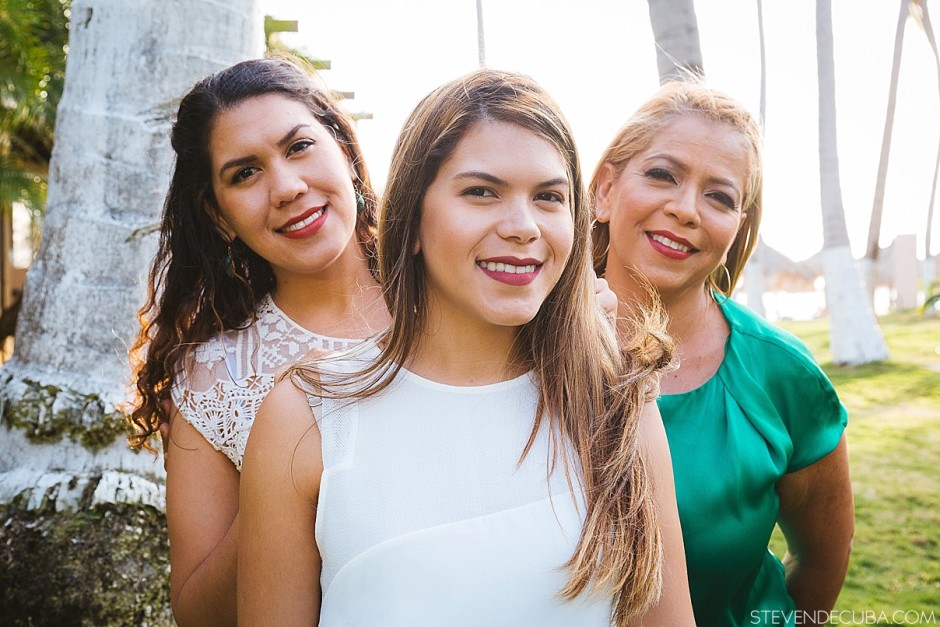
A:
x: 591, y: 393
x: 674, y: 100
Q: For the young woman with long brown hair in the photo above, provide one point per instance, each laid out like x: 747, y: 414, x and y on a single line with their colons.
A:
x: 493, y: 458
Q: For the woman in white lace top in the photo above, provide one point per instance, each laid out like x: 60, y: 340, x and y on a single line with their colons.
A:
x: 267, y: 252
x: 493, y: 458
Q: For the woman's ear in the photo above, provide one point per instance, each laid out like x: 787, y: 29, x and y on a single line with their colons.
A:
x: 222, y: 226
x: 352, y: 168
x: 605, y: 180
x: 342, y: 146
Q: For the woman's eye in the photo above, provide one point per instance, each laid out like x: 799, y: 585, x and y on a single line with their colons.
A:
x: 243, y: 174
x: 551, y: 197
x: 480, y: 192
x: 300, y: 146
x: 724, y: 199
x: 660, y: 174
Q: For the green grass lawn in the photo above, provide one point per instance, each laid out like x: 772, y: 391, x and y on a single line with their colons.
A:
x: 894, y: 449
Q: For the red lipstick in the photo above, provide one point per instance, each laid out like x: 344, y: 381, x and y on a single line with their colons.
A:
x: 304, y: 225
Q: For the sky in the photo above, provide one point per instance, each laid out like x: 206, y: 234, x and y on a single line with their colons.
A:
x: 598, y: 60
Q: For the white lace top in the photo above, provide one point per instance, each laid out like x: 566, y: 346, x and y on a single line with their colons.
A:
x: 225, y: 379
x: 426, y: 518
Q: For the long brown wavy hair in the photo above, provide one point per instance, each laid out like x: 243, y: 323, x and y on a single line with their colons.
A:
x: 194, y: 291
x: 674, y: 100
x: 590, y: 391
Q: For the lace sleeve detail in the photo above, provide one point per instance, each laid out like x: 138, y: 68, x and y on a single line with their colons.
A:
x: 224, y: 380
x: 221, y: 389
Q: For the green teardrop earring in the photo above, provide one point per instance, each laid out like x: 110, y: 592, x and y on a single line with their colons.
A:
x: 360, y: 203
x: 227, y: 262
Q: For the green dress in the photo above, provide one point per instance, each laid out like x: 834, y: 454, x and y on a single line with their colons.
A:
x: 768, y: 411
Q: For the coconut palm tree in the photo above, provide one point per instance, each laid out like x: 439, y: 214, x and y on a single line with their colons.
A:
x: 481, y: 41
x: 84, y: 540
x: 877, y: 207
x: 855, y: 337
x: 928, y: 265
x: 754, y: 270
x: 675, y: 30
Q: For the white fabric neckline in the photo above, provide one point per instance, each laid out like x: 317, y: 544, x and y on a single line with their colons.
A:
x: 465, y: 389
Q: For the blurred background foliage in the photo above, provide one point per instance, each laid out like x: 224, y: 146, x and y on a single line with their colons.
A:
x: 33, y: 47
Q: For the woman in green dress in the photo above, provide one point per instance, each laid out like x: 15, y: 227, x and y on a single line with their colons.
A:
x: 754, y: 426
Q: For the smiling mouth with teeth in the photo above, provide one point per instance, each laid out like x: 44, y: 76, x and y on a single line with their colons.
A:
x: 305, y: 222
x: 505, y: 267
x: 665, y: 241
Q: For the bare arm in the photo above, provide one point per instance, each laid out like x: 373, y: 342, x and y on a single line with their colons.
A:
x: 202, y: 517
x: 675, y: 606
x: 279, y: 561
x: 817, y: 517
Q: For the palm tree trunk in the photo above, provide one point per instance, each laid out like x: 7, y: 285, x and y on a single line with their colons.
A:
x: 853, y: 331
x: 877, y: 207
x: 928, y: 267
x: 85, y: 514
x: 754, y: 270
x: 481, y: 42
x: 675, y: 30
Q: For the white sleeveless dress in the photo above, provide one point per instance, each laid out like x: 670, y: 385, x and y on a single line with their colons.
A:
x: 426, y: 518
x: 224, y: 380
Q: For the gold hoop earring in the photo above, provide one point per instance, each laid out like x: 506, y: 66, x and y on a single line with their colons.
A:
x: 727, y: 274
x: 712, y: 285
